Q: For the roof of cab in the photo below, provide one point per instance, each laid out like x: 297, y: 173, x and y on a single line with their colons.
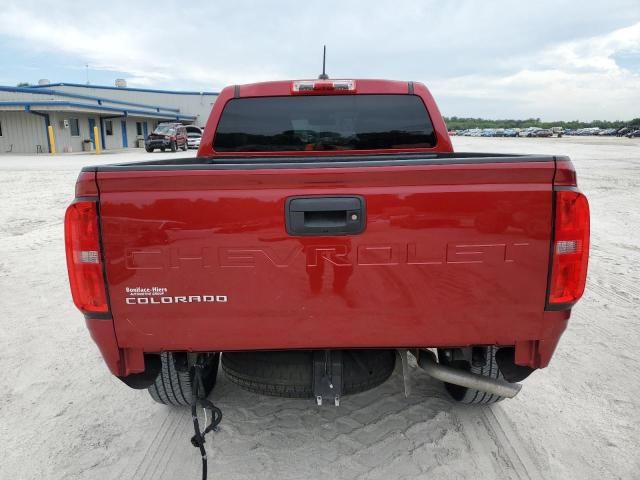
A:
x: 284, y: 87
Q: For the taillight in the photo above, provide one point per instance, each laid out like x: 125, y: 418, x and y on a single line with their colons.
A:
x: 570, y: 248
x: 84, y: 261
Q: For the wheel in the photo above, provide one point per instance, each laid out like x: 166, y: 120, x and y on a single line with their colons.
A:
x: 148, y: 149
x: 174, y: 146
x: 290, y: 373
x: 173, y: 384
x: 162, y: 149
x: 469, y: 395
x: 185, y: 147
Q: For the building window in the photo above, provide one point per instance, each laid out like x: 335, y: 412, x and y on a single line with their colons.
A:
x: 138, y: 128
x: 75, y: 127
x: 108, y: 126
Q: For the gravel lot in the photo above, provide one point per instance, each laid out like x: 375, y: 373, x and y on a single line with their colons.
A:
x: 63, y: 416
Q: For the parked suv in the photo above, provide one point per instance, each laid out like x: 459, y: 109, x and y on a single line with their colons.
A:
x: 167, y: 135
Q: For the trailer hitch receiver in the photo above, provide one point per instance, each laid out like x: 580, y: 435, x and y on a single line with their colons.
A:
x: 327, y: 376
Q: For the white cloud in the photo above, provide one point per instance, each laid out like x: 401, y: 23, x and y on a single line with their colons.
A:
x: 147, y: 55
x: 553, y: 59
x: 594, y: 54
x: 563, y: 82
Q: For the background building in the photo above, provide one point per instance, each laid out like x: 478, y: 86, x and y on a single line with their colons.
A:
x: 124, y: 116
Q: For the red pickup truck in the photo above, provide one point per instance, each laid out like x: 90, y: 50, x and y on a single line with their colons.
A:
x: 325, y: 229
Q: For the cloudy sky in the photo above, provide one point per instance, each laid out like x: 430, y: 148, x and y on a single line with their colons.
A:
x: 557, y: 60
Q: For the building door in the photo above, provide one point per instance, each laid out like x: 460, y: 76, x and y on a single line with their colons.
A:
x: 123, y: 127
x: 92, y: 123
x: 144, y: 130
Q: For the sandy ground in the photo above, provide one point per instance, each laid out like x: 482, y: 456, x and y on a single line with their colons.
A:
x: 63, y: 416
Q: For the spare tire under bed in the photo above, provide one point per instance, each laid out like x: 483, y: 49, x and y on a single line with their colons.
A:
x: 290, y: 373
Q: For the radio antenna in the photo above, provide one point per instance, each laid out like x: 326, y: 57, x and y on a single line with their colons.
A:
x: 323, y: 75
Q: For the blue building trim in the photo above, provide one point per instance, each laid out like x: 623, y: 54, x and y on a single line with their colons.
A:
x: 47, y: 91
x: 132, y: 89
x: 102, y: 136
x: 123, y: 111
x: 123, y: 131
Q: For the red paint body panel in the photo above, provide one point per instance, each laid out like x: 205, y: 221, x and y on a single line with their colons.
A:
x: 86, y: 185
x: 451, y: 255
x: 101, y: 331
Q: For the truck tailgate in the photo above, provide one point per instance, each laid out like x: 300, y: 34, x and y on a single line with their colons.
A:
x: 453, y: 252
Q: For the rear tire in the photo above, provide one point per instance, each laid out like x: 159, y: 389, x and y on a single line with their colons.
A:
x: 174, y: 147
x: 173, y: 386
x: 471, y: 396
x: 290, y: 373
x: 185, y: 147
x: 148, y: 149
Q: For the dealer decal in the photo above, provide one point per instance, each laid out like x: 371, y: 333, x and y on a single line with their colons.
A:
x: 159, y: 296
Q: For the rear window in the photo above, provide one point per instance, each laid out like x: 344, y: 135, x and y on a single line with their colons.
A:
x: 316, y: 123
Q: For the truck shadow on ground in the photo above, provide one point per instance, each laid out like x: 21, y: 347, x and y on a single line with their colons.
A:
x: 379, y: 433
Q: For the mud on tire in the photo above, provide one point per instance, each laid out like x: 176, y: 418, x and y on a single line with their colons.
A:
x: 173, y: 385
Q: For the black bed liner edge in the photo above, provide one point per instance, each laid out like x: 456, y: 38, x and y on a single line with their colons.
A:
x: 255, y: 163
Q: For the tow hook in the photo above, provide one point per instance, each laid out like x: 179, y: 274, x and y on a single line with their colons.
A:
x: 427, y: 361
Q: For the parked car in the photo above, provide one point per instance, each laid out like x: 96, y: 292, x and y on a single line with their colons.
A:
x: 275, y: 247
x: 607, y: 132
x: 623, y: 131
x: 588, y: 131
x: 544, y: 132
x: 510, y: 132
x: 193, y: 140
x: 193, y: 129
x: 633, y: 134
x: 167, y: 135
x: 529, y: 132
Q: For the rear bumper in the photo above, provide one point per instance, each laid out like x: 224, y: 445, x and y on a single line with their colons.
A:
x: 121, y: 362
x: 533, y: 352
x: 102, y: 333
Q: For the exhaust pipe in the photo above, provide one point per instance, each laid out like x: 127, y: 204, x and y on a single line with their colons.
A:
x: 427, y: 361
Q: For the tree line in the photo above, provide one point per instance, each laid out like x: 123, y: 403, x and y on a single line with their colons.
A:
x: 460, y: 123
